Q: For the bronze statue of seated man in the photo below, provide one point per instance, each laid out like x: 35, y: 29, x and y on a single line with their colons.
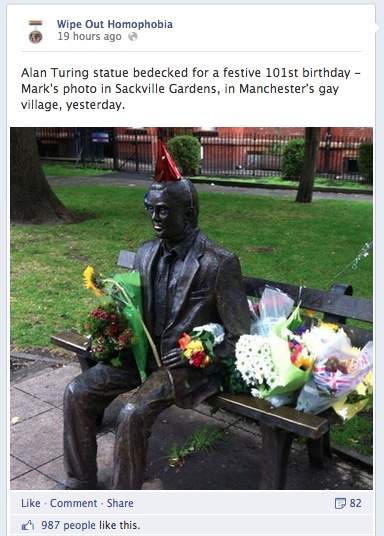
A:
x: 187, y: 281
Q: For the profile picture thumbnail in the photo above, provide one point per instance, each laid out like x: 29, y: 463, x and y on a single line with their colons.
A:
x: 35, y: 36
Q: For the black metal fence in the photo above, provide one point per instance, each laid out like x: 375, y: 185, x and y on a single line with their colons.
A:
x: 134, y: 150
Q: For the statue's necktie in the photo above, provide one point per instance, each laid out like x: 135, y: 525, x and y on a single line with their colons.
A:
x: 161, y: 291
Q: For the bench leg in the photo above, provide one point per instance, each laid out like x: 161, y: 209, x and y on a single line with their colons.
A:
x: 318, y: 449
x: 276, y: 445
x: 85, y: 362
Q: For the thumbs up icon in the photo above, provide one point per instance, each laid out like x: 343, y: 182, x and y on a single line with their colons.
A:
x: 28, y: 526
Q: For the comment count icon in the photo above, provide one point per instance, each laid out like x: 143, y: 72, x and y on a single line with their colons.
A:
x: 340, y: 503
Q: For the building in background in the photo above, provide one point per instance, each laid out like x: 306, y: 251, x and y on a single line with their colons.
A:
x: 225, y: 151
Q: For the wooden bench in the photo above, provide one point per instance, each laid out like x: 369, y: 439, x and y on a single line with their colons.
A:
x: 278, y: 426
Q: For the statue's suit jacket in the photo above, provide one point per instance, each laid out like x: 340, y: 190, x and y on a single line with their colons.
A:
x: 209, y: 289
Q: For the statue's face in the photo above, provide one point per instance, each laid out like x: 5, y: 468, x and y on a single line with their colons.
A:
x: 168, y: 216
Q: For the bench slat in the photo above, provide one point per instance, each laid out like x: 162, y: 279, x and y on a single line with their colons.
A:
x: 126, y: 259
x: 316, y: 300
x: 331, y: 303
x: 72, y: 341
x: 285, y: 417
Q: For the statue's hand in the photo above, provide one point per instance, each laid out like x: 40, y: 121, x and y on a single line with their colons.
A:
x: 173, y: 359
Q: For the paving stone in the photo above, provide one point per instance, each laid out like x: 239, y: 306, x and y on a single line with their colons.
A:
x: 50, y: 386
x: 39, y: 439
x: 31, y: 481
x: 53, y: 470
x: 17, y: 468
x: 24, y: 406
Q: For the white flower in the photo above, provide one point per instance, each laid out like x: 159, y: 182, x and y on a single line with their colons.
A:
x: 254, y: 362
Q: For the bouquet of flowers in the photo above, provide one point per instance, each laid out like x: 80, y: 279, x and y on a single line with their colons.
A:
x: 198, y: 346
x: 336, y: 373
x: 110, y: 333
x: 123, y: 297
x: 255, y: 364
x: 288, y: 363
x: 277, y: 364
x: 361, y: 398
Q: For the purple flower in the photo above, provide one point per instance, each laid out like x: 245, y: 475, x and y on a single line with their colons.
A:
x: 300, y: 330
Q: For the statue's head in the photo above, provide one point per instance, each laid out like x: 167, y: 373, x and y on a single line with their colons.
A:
x: 173, y: 207
x: 172, y: 200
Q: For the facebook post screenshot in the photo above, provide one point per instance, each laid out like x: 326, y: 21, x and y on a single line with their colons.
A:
x: 189, y: 309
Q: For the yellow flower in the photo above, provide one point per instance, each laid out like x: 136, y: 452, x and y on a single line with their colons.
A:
x: 193, y: 346
x: 366, y: 386
x: 303, y: 362
x: 92, y: 281
x: 334, y: 327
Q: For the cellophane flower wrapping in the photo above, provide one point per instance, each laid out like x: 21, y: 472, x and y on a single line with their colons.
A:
x: 287, y: 347
x: 336, y: 373
x: 274, y: 305
x: 133, y: 311
x: 266, y: 365
x: 361, y: 398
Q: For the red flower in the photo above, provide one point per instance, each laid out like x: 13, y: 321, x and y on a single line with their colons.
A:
x: 199, y: 359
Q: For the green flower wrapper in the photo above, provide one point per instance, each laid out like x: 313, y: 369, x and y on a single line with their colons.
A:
x: 132, y: 308
x: 291, y: 378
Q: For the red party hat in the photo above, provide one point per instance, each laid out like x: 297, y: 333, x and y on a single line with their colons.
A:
x: 166, y: 169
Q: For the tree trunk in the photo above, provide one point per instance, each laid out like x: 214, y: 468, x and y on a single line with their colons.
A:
x: 31, y: 197
x: 305, y: 190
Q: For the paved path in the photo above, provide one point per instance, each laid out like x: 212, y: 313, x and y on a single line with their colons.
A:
x: 141, y: 180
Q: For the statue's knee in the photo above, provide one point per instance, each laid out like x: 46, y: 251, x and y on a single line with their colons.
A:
x: 74, y: 392
x: 130, y: 414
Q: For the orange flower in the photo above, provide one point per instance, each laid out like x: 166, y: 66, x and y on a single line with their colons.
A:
x: 184, y: 340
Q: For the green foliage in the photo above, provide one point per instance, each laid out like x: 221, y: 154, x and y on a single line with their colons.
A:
x: 186, y: 152
x: 293, y: 159
x: 73, y: 170
x: 276, y: 149
x: 202, y: 440
x: 232, y: 380
x: 356, y: 433
x: 365, y: 161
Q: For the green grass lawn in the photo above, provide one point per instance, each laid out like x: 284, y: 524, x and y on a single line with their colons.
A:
x: 275, y: 238
x: 74, y: 170
x: 355, y: 434
x: 320, y: 182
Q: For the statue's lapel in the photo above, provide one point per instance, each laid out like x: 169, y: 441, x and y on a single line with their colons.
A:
x: 185, y: 281
x: 150, y: 270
